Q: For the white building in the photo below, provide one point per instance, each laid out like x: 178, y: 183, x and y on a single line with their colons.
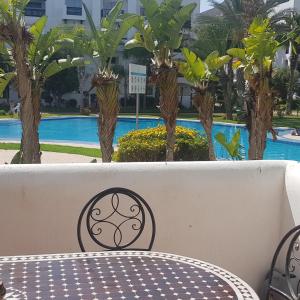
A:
x: 295, y: 4
x: 71, y: 12
x: 282, y: 55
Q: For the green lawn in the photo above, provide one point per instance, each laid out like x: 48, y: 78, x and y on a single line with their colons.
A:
x: 45, y: 115
x: 92, y: 152
x: 287, y: 121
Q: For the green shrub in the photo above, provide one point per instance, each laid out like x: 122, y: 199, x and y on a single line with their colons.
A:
x: 150, y: 145
x: 2, y: 112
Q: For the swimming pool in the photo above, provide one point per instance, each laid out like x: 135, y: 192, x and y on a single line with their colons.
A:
x: 84, y: 130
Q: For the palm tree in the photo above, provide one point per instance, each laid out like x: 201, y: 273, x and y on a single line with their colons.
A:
x: 217, y: 37
x: 238, y: 15
x: 233, y: 147
x: 15, y: 34
x: 160, y: 34
x: 288, y: 26
x: 256, y: 60
x: 40, y: 66
x: 83, y: 47
x: 105, y: 43
x: 201, y: 75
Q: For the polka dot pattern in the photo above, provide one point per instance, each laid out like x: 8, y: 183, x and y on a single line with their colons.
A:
x: 118, y: 275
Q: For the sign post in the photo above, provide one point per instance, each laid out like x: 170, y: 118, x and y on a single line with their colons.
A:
x: 137, y: 85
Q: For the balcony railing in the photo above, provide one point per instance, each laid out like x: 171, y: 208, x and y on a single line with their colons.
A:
x: 74, y: 11
x: 228, y: 213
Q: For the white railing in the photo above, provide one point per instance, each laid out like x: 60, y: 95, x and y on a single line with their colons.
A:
x: 228, y: 213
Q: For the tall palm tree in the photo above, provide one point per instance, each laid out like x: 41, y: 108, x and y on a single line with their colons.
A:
x: 202, y: 75
x: 105, y: 43
x: 40, y: 66
x: 238, y: 15
x: 217, y: 37
x: 288, y: 27
x: 83, y: 47
x: 160, y: 34
x: 15, y: 34
x: 255, y: 59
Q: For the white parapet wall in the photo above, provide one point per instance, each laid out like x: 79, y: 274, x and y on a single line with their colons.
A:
x: 232, y: 214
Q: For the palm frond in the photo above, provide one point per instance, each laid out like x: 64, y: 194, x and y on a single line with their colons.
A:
x: 5, y: 79
x: 57, y: 66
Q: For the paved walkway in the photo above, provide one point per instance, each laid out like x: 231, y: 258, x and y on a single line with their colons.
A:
x: 292, y: 137
x: 49, y: 157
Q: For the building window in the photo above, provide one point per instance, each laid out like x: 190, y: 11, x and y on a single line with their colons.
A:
x: 35, y: 8
x: 75, y: 11
x: 72, y: 22
x: 142, y: 11
x: 114, y: 60
x: 187, y: 24
x: 74, y: 7
x: 105, y: 12
x: 107, y: 6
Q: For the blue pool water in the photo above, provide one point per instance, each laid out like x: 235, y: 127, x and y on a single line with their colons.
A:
x: 84, y: 130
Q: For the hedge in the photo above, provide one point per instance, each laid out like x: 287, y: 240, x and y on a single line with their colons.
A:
x: 147, y: 145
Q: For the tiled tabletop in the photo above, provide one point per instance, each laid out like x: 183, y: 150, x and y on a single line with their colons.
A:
x: 118, y: 275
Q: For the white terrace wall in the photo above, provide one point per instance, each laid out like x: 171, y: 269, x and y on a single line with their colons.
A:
x: 230, y: 214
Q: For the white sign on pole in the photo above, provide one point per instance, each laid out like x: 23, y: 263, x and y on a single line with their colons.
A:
x: 137, y: 85
x: 137, y: 79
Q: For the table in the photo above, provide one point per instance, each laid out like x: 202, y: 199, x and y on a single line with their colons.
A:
x: 118, y: 275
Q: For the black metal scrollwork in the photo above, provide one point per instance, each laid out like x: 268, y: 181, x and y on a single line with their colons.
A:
x: 290, y: 247
x: 109, y: 227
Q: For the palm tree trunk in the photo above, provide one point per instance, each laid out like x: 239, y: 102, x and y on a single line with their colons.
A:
x: 293, y: 60
x: 30, y: 146
x: 169, y: 106
x: 226, y: 80
x: 260, y: 119
x: 108, y: 100
x: 208, y: 131
x: 229, y: 90
x: 291, y: 88
x: 250, y: 100
x: 204, y: 103
x: 251, y: 7
x: 240, y: 88
x: 36, y: 101
x: 30, y: 139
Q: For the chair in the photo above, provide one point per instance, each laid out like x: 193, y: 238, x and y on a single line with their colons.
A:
x: 296, y: 132
x: 115, y: 220
x: 287, y: 254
